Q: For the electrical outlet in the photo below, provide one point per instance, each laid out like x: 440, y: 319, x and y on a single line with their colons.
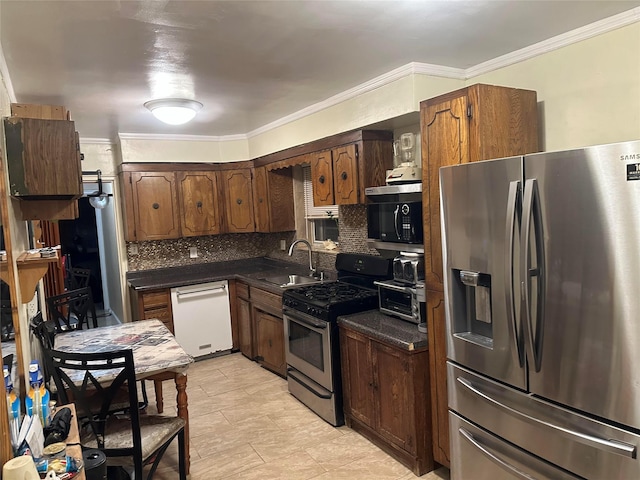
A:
x: 193, y: 252
x: 283, y: 245
x: 133, y: 249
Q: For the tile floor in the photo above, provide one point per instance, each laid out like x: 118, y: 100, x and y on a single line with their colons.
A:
x: 245, y: 425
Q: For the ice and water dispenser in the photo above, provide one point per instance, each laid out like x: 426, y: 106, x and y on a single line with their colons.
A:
x: 472, y: 307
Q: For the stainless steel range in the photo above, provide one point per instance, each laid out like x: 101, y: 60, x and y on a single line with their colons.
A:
x: 311, y: 330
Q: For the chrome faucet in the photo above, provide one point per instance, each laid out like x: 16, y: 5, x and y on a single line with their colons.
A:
x: 302, y: 240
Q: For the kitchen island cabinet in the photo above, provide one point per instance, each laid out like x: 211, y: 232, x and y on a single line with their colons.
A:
x: 476, y: 123
x: 385, y: 380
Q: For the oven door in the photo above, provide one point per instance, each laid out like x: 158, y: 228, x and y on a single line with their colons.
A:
x: 308, y: 346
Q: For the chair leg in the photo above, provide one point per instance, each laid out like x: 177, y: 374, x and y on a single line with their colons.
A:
x: 157, y: 384
x: 182, y: 467
x: 145, y: 400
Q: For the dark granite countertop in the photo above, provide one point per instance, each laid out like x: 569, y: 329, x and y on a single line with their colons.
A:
x: 250, y: 270
x: 387, y: 329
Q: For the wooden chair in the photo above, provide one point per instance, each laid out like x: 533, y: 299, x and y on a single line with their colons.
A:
x: 128, y: 441
x: 78, y: 278
x: 73, y: 309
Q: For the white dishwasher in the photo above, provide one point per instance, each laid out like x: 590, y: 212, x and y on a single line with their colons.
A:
x: 202, y: 318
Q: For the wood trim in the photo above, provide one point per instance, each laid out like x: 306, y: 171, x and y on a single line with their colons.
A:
x: 326, y: 143
x: 186, y: 167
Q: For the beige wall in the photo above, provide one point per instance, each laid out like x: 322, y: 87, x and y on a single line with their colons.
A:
x: 588, y: 92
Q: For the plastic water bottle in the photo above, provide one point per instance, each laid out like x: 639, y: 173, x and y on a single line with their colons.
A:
x: 37, y: 401
x: 13, y: 404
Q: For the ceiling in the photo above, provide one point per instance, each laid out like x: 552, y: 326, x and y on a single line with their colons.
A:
x: 250, y: 62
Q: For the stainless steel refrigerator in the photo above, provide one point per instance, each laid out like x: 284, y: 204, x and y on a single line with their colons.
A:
x: 542, y: 288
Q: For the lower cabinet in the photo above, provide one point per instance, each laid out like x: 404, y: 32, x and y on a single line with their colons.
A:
x: 386, y: 397
x: 152, y: 304
x: 258, y: 316
x: 270, y: 341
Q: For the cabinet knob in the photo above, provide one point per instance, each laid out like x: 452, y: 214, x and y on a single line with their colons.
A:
x: 155, y: 206
x: 344, y: 175
x: 199, y: 204
x: 239, y: 201
x: 260, y: 200
x: 321, y: 179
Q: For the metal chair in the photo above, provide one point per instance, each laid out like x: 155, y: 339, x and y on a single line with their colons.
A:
x: 71, y: 310
x: 133, y: 440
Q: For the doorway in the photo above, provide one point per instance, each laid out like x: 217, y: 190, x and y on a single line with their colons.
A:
x: 90, y: 242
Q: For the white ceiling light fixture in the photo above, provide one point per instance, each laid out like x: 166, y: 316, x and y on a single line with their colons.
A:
x: 174, y: 111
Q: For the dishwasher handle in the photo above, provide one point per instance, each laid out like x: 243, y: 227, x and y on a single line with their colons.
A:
x: 194, y: 293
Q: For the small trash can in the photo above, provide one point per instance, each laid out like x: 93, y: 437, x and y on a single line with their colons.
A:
x: 95, y: 464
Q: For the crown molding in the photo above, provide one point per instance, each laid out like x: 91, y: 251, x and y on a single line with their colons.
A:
x: 554, y: 43
x: 368, y: 86
x: 96, y: 141
x: 186, y: 138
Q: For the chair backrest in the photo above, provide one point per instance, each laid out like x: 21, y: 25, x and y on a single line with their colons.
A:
x: 80, y: 378
x: 45, y: 333
x: 7, y: 361
x: 78, y: 278
x: 71, y: 310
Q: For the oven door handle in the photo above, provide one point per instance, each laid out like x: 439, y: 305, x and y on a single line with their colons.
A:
x: 397, y: 288
x: 292, y: 376
x: 305, y: 322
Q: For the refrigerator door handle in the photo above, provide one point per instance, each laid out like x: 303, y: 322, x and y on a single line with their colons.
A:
x: 513, y: 211
x: 494, y: 457
x: 607, y: 445
x: 531, y: 215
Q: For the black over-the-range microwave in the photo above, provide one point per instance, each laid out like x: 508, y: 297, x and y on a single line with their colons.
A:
x: 394, y: 214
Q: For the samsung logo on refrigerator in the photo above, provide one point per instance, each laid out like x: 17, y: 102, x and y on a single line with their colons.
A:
x: 632, y: 156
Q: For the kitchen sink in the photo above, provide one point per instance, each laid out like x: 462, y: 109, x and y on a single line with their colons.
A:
x: 291, y: 280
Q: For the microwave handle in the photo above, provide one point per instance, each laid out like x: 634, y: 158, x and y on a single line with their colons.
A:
x: 395, y: 221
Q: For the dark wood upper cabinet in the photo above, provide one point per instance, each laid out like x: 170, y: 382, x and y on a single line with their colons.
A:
x: 43, y: 159
x: 151, y: 206
x: 198, y: 203
x: 237, y: 191
x: 273, y: 200
x: 322, y: 178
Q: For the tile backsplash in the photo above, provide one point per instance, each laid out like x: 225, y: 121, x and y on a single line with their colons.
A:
x: 217, y: 248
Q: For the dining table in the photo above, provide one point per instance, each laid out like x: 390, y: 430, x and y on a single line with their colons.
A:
x: 156, y: 355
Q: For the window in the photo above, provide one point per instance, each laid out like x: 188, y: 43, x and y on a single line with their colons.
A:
x: 322, y: 222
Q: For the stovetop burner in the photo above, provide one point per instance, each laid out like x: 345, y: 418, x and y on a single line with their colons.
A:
x: 334, y: 292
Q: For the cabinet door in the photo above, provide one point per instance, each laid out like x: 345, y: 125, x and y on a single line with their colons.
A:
x: 357, y: 376
x: 155, y: 205
x: 445, y: 141
x: 42, y: 158
x: 437, y: 334
x: 345, y: 175
x: 395, y: 396
x: 238, y: 200
x: 280, y: 194
x: 261, y: 199
x: 270, y: 341
x: 197, y: 193
x: 244, y: 328
x: 322, y: 178
x: 156, y: 304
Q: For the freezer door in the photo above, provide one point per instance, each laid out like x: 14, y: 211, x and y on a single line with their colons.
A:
x: 576, y: 443
x: 480, y: 205
x: 478, y: 454
x: 582, y: 267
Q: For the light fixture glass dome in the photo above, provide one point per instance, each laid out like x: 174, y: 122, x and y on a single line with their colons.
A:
x: 174, y: 111
x: 100, y: 201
